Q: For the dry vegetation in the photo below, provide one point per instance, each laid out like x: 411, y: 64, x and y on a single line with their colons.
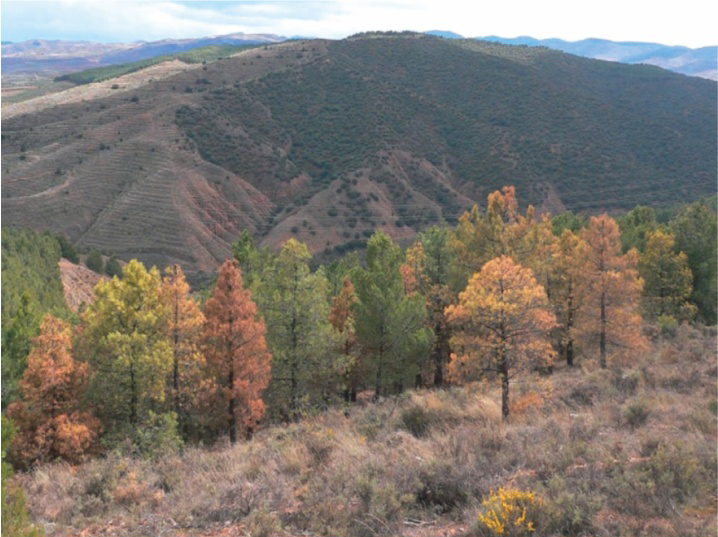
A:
x: 626, y: 451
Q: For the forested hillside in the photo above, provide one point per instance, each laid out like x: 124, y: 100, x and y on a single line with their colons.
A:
x: 328, y: 141
x: 518, y: 330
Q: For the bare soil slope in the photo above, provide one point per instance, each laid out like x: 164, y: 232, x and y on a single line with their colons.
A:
x: 78, y: 282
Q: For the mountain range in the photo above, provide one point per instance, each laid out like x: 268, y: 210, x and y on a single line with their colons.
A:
x: 52, y: 58
x: 327, y: 141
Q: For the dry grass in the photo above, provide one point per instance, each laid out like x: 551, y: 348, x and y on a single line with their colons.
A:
x: 626, y: 451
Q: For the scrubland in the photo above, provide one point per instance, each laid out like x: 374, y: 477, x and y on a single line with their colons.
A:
x: 630, y: 450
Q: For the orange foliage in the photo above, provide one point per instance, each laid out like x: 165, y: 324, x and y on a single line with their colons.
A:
x: 185, y: 324
x: 48, y: 416
x: 610, y: 313
x: 503, y: 320
x: 412, y: 270
x: 236, y: 350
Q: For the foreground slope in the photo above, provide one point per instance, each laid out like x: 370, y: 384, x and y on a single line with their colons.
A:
x: 624, y: 451
x: 327, y: 141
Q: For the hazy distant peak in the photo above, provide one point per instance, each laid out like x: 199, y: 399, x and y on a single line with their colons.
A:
x: 445, y: 34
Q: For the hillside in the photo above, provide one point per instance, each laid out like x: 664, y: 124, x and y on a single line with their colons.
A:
x: 327, y: 141
x: 43, y: 59
x: 624, y: 451
x: 702, y: 62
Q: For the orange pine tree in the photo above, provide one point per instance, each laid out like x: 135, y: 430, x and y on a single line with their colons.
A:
x: 185, y: 323
x: 567, y: 290
x: 613, y: 289
x: 236, y: 350
x: 503, y: 230
x: 49, y: 417
x: 502, y: 324
x: 342, y: 318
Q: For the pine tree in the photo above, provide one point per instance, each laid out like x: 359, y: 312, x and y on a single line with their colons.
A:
x: 567, y: 291
x: 696, y: 230
x: 390, y: 324
x: 613, y: 289
x: 342, y: 318
x: 502, y: 324
x: 295, y: 305
x: 126, y: 341
x: 94, y: 261
x: 236, y: 350
x: 668, y: 280
x: 185, y: 324
x: 51, y: 423
x: 503, y: 230
x: 17, y: 341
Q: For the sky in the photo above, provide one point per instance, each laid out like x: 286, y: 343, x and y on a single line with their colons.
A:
x: 689, y: 22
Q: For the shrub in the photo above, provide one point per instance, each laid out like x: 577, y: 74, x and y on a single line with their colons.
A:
x: 158, y: 435
x: 509, y: 512
x: 443, y: 487
x: 113, y: 267
x: 635, y: 413
x: 416, y: 420
x: 263, y: 523
x: 94, y: 261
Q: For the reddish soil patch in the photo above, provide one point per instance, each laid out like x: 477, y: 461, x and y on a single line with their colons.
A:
x: 78, y: 283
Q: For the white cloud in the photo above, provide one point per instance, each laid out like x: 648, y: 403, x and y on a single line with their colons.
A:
x: 691, y: 23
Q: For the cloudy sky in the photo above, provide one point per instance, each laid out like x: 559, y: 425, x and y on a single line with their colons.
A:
x: 689, y: 22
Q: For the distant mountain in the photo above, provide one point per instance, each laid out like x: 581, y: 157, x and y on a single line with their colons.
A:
x: 327, y: 141
x: 445, y: 34
x: 702, y: 62
x: 176, y: 46
x: 50, y: 58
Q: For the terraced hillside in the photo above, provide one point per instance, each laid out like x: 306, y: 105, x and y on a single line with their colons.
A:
x: 327, y: 141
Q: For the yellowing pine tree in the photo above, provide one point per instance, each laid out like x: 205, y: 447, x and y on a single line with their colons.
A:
x: 502, y: 324
x: 613, y: 288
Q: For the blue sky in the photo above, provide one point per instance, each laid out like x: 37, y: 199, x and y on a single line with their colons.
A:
x: 690, y: 22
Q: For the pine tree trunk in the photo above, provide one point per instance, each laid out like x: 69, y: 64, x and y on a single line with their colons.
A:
x: 604, y: 363
x: 505, y: 394
x: 231, y: 409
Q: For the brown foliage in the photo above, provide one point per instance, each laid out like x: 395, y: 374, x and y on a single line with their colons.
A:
x: 48, y: 416
x: 185, y: 324
x: 613, y: 290
x: 236, y: 350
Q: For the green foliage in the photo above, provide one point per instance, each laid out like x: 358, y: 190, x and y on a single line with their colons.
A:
x: 94, y: 261
x: 98, y: 74
x: 158, y: 436
x: 31, y: 287
x: 252, y: 260
x: 568, y: 220
x: 340, y: 113
x: 294, y: 303
x: 18, y: 334
x: 113, y: 267
x: 635, y: 226
x: 635, y: 413
x: 696, y: 234
x: 668, y: 280
x: 389, y: 324
x: 30, y: 265
x: 126, y: 343
x: 69, y: 251
x: 15, y: 516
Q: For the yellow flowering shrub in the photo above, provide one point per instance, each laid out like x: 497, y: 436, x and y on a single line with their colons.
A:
x: 509, y: 512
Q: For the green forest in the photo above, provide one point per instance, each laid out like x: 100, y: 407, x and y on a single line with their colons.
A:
x: 153, y: 370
